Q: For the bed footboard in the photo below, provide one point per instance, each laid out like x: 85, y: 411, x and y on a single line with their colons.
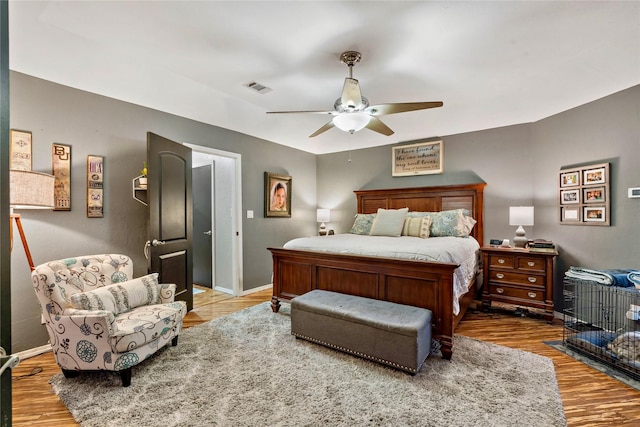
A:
x: 417, y: 283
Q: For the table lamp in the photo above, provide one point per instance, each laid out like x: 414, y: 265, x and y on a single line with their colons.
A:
x: 322, y: 216
x: 519, y: 216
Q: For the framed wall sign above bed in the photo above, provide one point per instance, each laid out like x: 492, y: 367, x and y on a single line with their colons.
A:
x: 417, y: 159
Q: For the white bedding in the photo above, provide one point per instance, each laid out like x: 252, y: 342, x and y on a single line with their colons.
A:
x: 459, y: 250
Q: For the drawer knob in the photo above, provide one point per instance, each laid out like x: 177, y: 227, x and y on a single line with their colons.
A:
x: 500, y: 261
x: 531, y: 263
x: 533, y: 279
x: 500, y: 275
x: 532, y: 294
x: 500, y: 290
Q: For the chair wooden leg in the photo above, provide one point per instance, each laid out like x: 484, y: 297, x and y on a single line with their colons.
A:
x: 174, y: 341
x: 70, y: 373
x: 125, y: 375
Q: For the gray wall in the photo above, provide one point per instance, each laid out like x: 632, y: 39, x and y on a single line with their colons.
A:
x: 520, y: 165
x: 93, y: 124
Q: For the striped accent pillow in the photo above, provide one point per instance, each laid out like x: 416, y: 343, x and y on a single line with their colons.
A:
x: 119, y: 297
x: 417, y: 227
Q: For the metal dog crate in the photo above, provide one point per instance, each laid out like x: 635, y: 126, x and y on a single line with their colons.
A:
x: 594, y: 315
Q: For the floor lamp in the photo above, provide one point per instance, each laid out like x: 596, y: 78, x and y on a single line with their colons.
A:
x: 28, y: 190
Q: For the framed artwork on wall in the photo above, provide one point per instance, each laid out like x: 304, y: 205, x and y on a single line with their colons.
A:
x: 95, y: 190
x: 569, y: 196
x: 595, y: 214
x: 570, y: 214
x: 593, y: 195
x: 583, y: 195
x: 20, y: 147
x: 61, y: 170
x: 594, y: 176
x: 569, y: 179
x: 417, y: 159
x: 277, y: 195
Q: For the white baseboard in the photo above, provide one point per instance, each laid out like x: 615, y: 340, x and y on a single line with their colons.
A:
x: 32, y: 352
x: 258, y: 289
x: 223, y: 290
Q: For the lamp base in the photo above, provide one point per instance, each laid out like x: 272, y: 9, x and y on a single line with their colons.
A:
x: 520, y: 241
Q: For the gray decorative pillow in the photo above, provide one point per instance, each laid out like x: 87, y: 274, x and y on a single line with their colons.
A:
x: 119, y: 297
x: 389, y: 222
x: 362, y: 224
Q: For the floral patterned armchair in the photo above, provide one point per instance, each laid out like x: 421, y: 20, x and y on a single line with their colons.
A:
x: 99, y: 318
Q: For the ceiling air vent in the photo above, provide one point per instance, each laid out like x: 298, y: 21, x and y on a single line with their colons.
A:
x: 262, y: 89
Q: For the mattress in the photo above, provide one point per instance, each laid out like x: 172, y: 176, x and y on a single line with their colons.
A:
x: 459, y: 250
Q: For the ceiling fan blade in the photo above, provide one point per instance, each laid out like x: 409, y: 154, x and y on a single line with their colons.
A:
x: 322, y: 129
x: 301, y: 112
x: 376, y: 125
x: 380, y: 109
x: 351, y: 96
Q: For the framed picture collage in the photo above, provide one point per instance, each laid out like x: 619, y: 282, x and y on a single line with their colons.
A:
x: 583, y: 195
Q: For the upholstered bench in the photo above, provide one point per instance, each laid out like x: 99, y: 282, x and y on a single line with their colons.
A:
x: 393, y: 334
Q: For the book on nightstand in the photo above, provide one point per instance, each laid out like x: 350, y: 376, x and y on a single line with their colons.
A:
x: 542, y: 245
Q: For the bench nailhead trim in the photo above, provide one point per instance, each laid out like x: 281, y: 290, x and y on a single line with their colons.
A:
x: 357, y: 353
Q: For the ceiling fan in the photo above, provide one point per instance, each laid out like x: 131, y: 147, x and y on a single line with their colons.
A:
x: 352, y: 111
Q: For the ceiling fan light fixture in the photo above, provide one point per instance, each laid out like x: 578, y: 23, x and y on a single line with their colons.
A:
x: 351, y: 122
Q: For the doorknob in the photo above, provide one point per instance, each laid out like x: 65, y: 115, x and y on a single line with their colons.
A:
x: 208, y: 233
x: 148, y: 244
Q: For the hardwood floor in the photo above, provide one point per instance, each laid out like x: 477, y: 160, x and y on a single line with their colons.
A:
x: 589, y: 397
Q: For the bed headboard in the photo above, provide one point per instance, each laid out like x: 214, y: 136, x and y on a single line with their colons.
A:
x: 428, y: 199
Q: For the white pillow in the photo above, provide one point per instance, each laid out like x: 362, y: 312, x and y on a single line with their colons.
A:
x: 119, y: 297
x: 389, y: 222
x: 417, y: 227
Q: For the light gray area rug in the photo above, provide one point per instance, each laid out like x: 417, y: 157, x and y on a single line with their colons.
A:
x: 246, y: 369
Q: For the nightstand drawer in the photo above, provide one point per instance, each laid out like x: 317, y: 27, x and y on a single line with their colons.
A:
x: 519, y: 278
x: 534, y: 264
x: 524, y: 294
x: 500, y: 260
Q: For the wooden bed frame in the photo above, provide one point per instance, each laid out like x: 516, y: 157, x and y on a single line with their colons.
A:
x: 417, y: 283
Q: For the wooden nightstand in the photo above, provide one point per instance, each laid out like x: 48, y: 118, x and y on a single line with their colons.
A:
x: 519, y: 277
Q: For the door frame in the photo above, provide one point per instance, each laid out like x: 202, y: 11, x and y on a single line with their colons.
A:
x: 236, y: 214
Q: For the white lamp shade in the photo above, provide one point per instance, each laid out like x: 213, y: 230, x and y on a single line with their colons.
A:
x: 521, y: 215
x: 31, y: 190
x: 323, y: 215
x: 351, y: 122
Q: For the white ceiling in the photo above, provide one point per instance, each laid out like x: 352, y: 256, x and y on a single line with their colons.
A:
x: 492, y: 63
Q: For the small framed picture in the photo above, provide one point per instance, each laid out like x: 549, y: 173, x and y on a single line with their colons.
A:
x: 277, y: 195
x: 61, y: 167
x: 20, y: 157
x: 95, y: 186
x: 594, y: 176
x: 570, y: 179
x: 594, y: 214
x: 570, y: 214
x: 593, y: 195
x: 569, y: 196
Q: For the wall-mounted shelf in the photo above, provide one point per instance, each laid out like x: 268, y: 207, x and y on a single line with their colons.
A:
x: 139, y: 189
